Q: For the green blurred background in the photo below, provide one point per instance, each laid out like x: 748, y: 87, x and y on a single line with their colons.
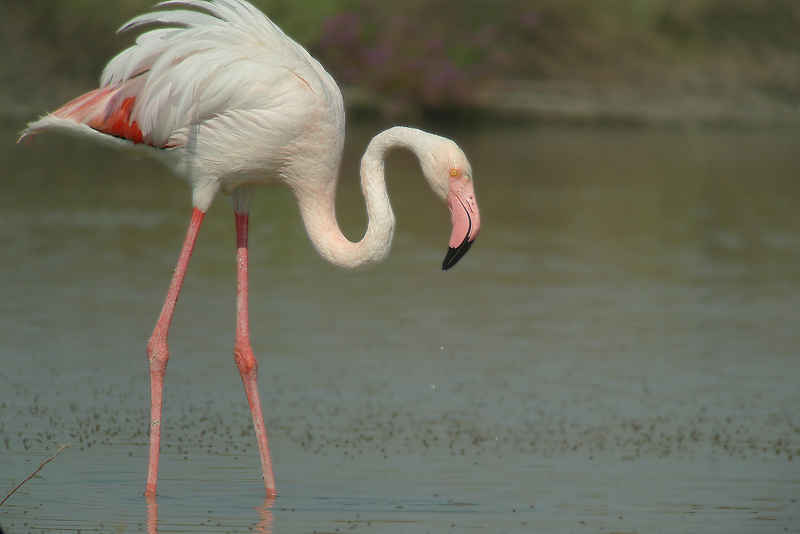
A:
x: 599, y: 60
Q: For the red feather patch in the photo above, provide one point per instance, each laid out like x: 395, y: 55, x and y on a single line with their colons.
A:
x: 104, y: 111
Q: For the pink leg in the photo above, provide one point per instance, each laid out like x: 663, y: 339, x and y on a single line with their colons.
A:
x: 244, y: 355
x: 158, y: 354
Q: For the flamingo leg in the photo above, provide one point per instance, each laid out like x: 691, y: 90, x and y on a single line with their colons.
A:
x: 158, y: 354
x: 243, y: 354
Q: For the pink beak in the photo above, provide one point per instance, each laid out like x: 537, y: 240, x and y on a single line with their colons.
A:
x: 466, y: 219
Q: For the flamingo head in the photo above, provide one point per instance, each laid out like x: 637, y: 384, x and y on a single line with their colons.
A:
x: 449, y: 173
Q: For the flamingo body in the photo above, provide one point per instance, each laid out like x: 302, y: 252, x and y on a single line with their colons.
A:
x: 230, y: 103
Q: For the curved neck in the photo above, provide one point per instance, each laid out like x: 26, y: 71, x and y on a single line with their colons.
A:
x: 319, y: 215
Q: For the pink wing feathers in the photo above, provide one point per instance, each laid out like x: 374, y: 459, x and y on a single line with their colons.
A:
x: 107, y: 110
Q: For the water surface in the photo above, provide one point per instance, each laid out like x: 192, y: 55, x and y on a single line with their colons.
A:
x: 618, y: 352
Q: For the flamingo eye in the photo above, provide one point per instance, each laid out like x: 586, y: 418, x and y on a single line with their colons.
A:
x: 455, y: 173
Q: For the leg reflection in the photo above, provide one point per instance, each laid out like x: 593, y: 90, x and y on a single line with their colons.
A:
x: 265, y: 511
x: 152, y: 513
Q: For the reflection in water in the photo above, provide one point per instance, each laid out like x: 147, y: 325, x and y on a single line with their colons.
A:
x: 152, y: 514
x: 264, y: 511
x: 619, y: 347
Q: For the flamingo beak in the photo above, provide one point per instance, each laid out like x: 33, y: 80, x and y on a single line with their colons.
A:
x: 466, y: 219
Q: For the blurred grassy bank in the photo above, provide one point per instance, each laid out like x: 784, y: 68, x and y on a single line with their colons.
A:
x: 639, y: 61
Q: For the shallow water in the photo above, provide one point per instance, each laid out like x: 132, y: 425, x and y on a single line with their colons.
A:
x: 617, y: 353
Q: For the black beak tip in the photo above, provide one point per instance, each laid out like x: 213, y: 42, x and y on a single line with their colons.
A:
x: 455, y: 254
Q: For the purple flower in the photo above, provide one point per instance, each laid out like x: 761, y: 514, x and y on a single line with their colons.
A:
x: 531, y: 21
x: 375, y: 57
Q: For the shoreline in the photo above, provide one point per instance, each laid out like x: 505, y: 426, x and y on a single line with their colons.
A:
x: 552, y: 102
x: 586, y: 103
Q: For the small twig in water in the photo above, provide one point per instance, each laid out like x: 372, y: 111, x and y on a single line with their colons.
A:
x: 60, y: 448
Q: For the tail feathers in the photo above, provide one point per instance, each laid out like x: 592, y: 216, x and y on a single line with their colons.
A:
x: 69, y: 127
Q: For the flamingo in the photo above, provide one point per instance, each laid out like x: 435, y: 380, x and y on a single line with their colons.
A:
x: 227, y: 101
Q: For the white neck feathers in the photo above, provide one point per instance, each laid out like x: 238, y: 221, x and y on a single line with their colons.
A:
x: 319, y: 216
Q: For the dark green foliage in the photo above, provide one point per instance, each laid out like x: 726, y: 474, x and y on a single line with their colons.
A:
x: 441, y: 54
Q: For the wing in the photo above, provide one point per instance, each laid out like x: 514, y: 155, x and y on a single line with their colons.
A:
x: 228, y: 59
